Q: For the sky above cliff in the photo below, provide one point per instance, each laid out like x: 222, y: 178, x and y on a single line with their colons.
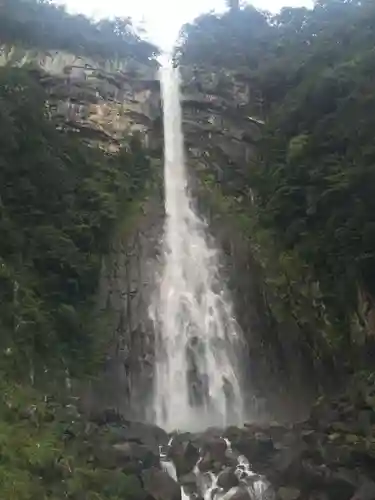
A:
x: 163, y: 18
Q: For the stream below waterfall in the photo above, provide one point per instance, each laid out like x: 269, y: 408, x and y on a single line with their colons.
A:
x: 232, y: 479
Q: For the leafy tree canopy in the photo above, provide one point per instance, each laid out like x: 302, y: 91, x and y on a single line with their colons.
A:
x: 44, y: 25
x: 315, y: 175
x: 59, y: 203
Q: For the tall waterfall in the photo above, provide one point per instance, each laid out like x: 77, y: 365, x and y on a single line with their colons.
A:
x: 197, y: 372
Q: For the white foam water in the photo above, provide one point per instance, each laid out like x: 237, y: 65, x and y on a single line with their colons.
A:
x: 197, y: 340
x: 250, y: 486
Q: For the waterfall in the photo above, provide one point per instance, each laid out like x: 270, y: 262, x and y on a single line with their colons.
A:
x: 197, y: 369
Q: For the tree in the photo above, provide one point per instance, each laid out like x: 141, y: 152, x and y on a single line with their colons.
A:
x: 44, y: 25
x: 60, y: 201
x: 313, y: 181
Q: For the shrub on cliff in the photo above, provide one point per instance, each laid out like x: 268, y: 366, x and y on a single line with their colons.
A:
x: 313, y: 180
x: 42, y: 24
x: 60, y: 201
x: 48, y: 452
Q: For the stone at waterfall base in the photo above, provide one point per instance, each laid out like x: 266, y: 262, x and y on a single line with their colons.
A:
x: 227, y: 478
x: 160, y: 485
x: 288, y: 493
x: 184, y: 453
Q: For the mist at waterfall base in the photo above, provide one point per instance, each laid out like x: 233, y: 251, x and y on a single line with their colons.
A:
x: 198, y: 381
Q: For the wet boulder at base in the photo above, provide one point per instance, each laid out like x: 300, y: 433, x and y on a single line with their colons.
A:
x: 160, y: 485
x: 227, y: 478
x: 184, y: 453
x: 329, y: 456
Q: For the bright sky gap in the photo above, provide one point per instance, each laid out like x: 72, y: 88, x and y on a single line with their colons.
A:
x: 162, y: 19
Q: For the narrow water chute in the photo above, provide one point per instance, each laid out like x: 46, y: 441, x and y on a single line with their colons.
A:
x: 197, y: 368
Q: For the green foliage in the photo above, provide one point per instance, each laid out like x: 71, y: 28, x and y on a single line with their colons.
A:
x: 315, y: 183
x: 201, y: 42
x: 60, y: 201
x: 313, y: 179
x: 44, y: 25
x: 46, y: 452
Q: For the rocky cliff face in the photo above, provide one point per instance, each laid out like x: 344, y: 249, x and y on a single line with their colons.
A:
x: 223, y: 123
x: 105, y: 102
x: 102, y: 100
x: 221, y: 135
x: 222, y: 119
x: 127, y: 282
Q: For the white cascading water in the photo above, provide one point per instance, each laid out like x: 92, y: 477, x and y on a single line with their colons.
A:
x: 197, y: 372
x: 250, y: 486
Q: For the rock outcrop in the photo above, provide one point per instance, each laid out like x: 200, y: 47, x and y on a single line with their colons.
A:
x: 131, y: 448
x: 222, y: 121
x: 160, y: 485
x: 125, y: 290
x: 102, y: 100
x: 330, y: 455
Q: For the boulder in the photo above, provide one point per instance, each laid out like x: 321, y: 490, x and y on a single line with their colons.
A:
x: 159, y: 484
x: 213, y: 455
x: 189, y: 483
x: 184, y: 454
x: 366, y: 490
x: 284, y: 493
x: 205, y: 463
x: 128, y: 430
x: 216, y: 448
x: 134, y: 451
x: 257, y: 447
x: 318, y: 495
x: 227, y: 478
x: 188, y: 479
x: 148, y: 434
x: 239, y: 494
